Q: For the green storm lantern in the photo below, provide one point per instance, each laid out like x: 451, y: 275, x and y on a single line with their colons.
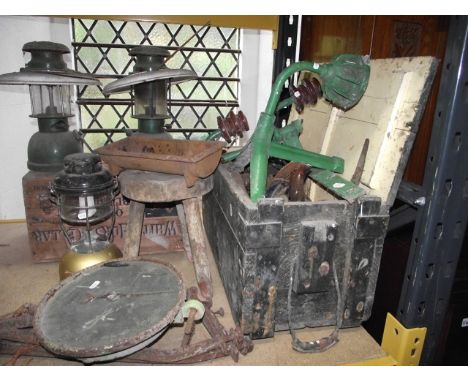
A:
x: 84, y: 193
x: 149, y: 83
x: 50, y: 86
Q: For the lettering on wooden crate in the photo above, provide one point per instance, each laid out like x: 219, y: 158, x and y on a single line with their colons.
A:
x: 167, y: 228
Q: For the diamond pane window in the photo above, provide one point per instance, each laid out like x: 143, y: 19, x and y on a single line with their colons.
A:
x: 101, y: 47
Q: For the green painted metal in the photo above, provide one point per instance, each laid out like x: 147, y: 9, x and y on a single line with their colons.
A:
x: 48, y: 147
x: 344, y: 81
x: 151, y: 126
x: 46, y: 56
x: 289, y: 134
x: 213, y: 135
x: 285, y: 103
x: 231, y: 155
x: 148, y: 58
x: 294, y: 154
x: 261, y: 142
x: 51, y: 125
x: 337, y: 185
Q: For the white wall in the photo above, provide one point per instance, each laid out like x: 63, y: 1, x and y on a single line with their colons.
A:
x: 256, y: 74
x: 15, y: 125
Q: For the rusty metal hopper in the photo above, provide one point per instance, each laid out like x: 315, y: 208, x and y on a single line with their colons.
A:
x: 192, y: 159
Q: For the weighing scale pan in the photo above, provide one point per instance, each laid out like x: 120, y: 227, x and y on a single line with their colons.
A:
x: 110, y: 310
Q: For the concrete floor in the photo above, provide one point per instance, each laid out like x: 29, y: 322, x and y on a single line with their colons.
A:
x: 23, y: 281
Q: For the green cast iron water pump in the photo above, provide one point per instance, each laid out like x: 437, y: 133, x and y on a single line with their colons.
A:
x: 344, y: 81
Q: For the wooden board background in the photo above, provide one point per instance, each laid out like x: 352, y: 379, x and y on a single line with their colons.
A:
x: 382, y: 36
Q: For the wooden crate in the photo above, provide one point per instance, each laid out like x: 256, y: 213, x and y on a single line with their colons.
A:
x: 276, y: 258
x: 161, y: 234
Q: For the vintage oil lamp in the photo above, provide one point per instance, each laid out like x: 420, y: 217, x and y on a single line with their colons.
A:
x: 84, y: 193
x: 50, y: 87
x: 149, y: 83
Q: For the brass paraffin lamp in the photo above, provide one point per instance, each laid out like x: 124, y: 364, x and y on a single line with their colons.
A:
x: 149, y: 83
x: 84, y: 193
x: 50, y: 87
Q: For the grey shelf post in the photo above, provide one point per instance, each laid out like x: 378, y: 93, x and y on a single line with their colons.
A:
x: 441, y: 222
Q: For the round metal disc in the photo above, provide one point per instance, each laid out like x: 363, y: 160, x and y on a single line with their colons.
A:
x: 47, y: 78
x: 124, y: 84
x: 109, y: 310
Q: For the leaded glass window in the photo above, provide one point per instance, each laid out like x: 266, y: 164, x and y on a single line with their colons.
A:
x: 101, y: 48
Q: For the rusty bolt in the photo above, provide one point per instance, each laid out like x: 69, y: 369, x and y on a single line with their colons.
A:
x: 313, y: 252
x: 190, y: 321
x: 360, y: 306
x: 421, y: 201
x: 324, y: 268
x: 346, y: 314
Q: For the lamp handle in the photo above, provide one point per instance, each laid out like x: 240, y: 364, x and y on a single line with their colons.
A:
x: 79, y: 136
x: 52, y: 194
x: 115, y: 187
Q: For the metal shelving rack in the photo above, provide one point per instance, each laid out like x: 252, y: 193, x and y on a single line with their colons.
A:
x: 440, y: 222
x: 285, y: 54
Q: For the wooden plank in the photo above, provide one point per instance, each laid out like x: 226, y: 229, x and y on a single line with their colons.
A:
x: 313, y: 133
x: 135, y: 224
x: 200, y: 247
x: 267, y: 22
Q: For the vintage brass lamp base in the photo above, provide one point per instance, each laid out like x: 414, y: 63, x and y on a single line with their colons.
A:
x: 74, y: 261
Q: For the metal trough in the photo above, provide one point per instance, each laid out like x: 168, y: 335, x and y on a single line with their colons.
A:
x: 192, y: 159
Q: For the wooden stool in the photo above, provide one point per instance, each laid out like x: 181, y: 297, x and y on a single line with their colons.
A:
x: 153, y: 187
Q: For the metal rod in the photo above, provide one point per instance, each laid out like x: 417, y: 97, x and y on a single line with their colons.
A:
x: 169, y: 130
x: 178, y: 49
x: 120, y: 101
x: 223, y: 79
x: 151, y: 101
x: 412, y: 194
x: 285, y: 103
x: 294, y: 154
x: 79, y: 136
x: 50, y: 90
x: 110, y: 235
x: 129, y: 46
x: 88, y: 225
x: 189, y: 327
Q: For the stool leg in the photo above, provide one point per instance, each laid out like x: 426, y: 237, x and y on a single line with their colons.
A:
x: 183, y: 228
x: 200, y: 246
x: 135, y: 223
